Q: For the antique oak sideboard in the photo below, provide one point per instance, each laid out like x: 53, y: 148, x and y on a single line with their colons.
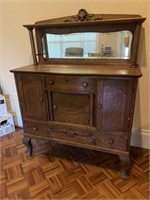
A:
x: 81, y: 89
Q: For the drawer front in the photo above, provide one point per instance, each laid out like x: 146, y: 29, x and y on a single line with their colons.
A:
x: 89, y: 137
x: 36, y: 129
x: 117, y: 141
x: 77, y: 134
x: 70, y: 133
x: 70, y: 84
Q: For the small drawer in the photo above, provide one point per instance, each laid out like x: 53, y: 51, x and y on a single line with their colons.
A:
x: 70, y: 84
x: 113, y: 141
x: 34, y: 128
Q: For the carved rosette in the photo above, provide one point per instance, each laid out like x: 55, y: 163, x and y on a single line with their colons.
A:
x: 82, y: 16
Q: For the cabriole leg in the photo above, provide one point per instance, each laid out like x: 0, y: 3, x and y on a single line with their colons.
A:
x: 27, y: 141
x: 125, y: 165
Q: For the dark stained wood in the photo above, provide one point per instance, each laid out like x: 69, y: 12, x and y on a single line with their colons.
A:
x: 75, y: 108
x: 75, y: 70
x: 103, y: 18
x: 70, y: 103
x: 124, y: 165
x: 32, y: 46
x: 27, y: 141
x: 114, y: 98
x: 87, y: 103
x: 32, y: 96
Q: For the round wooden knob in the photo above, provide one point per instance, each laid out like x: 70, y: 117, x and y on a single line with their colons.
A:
x: 99, y: 106
x: 85, y: 84
x: 54, y: 106
x: 51, y: 82
x: 35, y: 128
x: 41, y: 99
x: 110, y: 141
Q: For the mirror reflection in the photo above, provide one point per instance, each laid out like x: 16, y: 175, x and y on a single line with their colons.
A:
x: 114, y: 45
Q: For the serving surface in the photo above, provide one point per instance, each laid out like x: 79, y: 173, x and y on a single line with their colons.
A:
x: 93, y: 70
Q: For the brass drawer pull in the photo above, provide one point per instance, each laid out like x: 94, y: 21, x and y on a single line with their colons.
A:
x: 85, y: 84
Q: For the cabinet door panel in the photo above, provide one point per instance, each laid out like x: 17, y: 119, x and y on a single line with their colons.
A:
x: 116, y: 98
x: 71, y: 108
x: 32, y: 97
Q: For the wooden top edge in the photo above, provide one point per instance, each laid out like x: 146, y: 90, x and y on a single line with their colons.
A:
x: 84, y: 18
x: 110, y: 21
x: 90, y: 70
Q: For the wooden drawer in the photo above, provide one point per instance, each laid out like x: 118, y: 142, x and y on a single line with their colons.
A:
x: 78, y: 134
x: 35, y: 128
x: 71, y: 133
x: 70, y: 84
x: 116, y: 141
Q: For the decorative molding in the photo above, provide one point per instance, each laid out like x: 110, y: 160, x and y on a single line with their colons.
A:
x: 83, y: 16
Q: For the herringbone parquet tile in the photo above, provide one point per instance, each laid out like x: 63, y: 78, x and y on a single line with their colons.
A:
x: 63, y: 172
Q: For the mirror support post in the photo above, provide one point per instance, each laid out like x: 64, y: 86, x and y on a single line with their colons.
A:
x: 30, y: 29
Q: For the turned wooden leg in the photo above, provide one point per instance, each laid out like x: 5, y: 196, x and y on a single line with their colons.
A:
x: 27, y: 141
x: 125, y: 165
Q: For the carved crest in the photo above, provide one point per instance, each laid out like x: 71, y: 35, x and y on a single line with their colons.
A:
x: 82, y: 16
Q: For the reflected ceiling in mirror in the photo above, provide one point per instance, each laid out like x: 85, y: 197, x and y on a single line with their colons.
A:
x: 110, y: 45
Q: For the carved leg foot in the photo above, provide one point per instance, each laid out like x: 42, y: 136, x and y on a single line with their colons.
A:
x: 27, y: 141
x: 125, y: 165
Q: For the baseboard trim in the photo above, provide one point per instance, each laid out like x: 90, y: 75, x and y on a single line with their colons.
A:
x: 140, y: 138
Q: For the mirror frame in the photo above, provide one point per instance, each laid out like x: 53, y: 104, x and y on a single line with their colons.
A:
x: 85, y: 22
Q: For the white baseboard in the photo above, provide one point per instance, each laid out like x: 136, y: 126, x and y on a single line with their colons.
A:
x: 17, y: 119
x: 13, y: 108
x: 140, y: 138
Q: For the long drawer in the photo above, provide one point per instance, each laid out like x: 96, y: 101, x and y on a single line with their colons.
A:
x: 73, y: 84
x: 78, y: 134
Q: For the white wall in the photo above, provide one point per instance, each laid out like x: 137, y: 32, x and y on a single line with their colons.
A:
x: 16, y: 50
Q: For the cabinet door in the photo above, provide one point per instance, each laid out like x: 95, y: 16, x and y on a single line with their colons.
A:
x: 71, y: 107
x: 31, y: 95
x: 115, y: 104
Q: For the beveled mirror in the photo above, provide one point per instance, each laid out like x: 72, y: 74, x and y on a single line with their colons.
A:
x: 113, y: 45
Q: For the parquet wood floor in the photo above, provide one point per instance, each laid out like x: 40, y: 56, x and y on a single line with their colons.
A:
x: 63, y: 172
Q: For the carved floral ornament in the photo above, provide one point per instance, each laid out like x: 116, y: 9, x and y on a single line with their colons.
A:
x: 82, y: 16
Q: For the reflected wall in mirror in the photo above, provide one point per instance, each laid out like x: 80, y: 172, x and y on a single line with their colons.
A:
x: 114, y: 45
